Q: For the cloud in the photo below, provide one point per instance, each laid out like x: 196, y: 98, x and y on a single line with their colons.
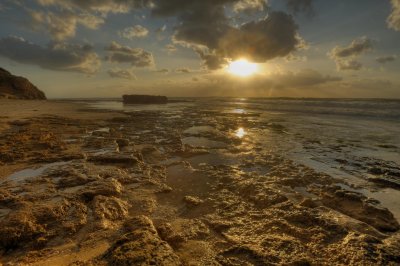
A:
x: 260, y: 41
x: 249, y: 5
x: 162, y: 71
x: 136, y: 31
x: 170, y: 48
x: 356, y: 48
x: 121, y: 73
x: 124, y: 54
x: 348, y: 64
x: 62, y: 25
x: 161, y: 29
x: 205, y: 27
x: 303, y: 78
x: 386, y: 59
x: 104, y: 6
x: 59, y: 57
x: 301, y: 6
x: 394, y: 18
x: 183, y: 70
x: 210, y: 60
x: 345, y: 57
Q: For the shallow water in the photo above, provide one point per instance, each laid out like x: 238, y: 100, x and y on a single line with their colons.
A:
x: 26, y: 174
x: 202, y: 142
x: 344, y: 138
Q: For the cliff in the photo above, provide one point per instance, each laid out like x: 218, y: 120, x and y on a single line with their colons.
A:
x: 14, y: 87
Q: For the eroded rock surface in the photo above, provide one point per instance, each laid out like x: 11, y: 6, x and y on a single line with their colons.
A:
x: 142, y: 246
x: 129, y: 191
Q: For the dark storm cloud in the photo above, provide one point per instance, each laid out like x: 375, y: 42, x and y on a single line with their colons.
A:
x: 211, y: 61
x: 394, y: 18
x: 121, y: 73
x: 275, y: 36
x: 386, y: 59
x: 301, y: 6
x: 60, y: 56
x: 345, y: 57
x: 205, y: 24
x: 135, y: 56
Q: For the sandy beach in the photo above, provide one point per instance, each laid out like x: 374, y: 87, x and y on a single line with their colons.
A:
x: 177, y: 186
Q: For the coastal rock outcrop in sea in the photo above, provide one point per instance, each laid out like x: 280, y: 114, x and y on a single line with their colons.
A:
x: 14, y: 87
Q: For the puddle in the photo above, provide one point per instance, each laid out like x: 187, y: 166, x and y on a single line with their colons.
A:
x: 202, y: 142
x: 185, y: 182
x: 102, y: 130
x: 71, y: 140
x: 25, y: 174
x: 240, y: 133
x: 171, y: 161
x: 104, y: 151
x: 389, y: 198
x: 213, y: 159
x: 303, y: 191
x: 4, y: 212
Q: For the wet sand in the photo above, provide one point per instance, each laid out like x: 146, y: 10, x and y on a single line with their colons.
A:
x: 155, y: 187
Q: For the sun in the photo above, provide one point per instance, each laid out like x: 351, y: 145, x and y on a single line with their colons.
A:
x: 242, y: 68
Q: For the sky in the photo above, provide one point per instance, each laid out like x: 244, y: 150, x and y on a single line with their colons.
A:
x: 202, y: 48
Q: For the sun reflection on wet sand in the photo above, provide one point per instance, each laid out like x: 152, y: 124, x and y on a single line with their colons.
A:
x: 240, y: 133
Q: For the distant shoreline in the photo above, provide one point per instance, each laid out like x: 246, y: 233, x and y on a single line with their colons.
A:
x: 229, y: 97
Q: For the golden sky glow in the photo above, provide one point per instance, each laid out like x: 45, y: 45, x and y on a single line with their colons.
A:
x: 242, y: 68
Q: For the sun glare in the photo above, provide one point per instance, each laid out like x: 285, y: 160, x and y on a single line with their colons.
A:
x: 240, y: 133
x: 242, y: 68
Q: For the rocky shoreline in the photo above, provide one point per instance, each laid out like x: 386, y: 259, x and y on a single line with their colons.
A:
x: 130, y: 188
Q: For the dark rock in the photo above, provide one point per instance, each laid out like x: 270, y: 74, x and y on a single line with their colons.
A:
x: 144, y: 99
x: 114, y: 158
x: 386, y: 181
x: 14, y: 87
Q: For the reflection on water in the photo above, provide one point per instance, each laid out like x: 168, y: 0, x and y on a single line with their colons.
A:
x: 239, y: 111
x: 23, y: 175
x: 240, y: 133
x: 203, y: 142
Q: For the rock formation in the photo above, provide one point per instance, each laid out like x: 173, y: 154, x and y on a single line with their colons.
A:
x: 14, y: 87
